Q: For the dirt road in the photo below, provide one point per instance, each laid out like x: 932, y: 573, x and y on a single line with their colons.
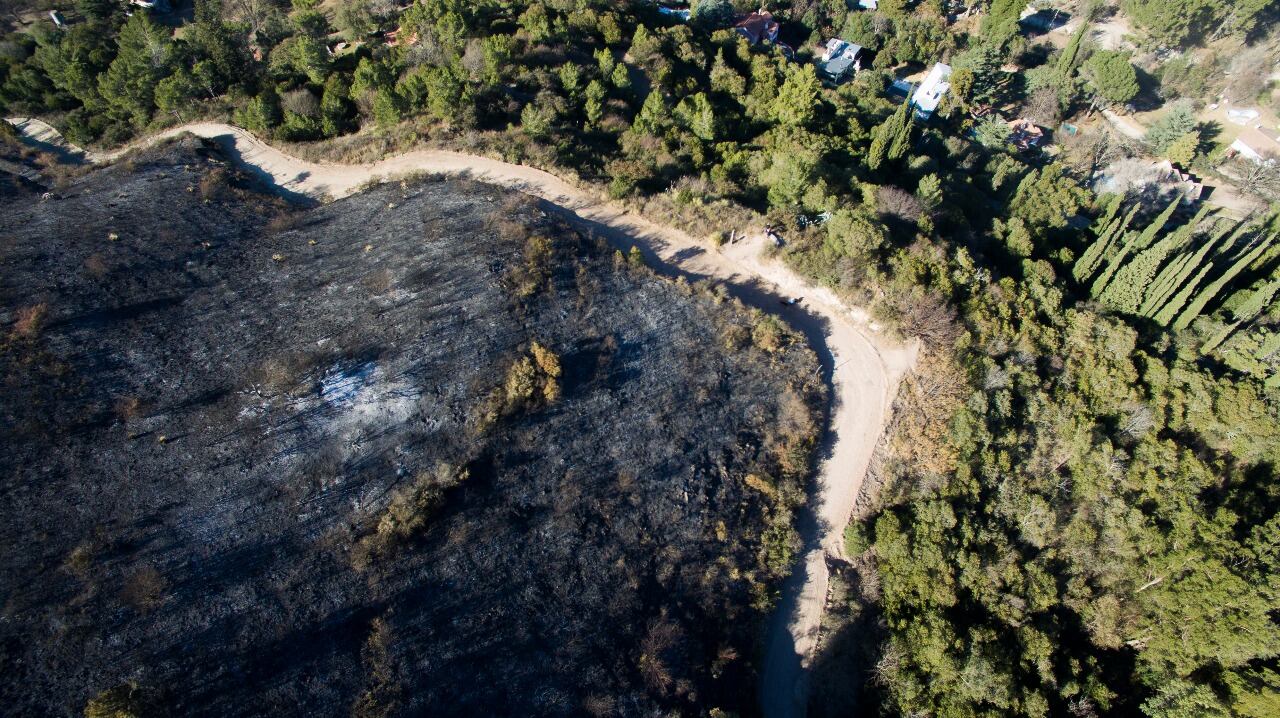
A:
x: 862, y: 367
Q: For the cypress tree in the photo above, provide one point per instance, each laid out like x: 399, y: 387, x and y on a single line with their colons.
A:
x: 1136, y: 244
x: 1154, y: 229
x: 1228, y: 235
x: 1125, y: 293
x: 901, y: 134
x: 1067, y: 60
x: 1174, y: 276
x: 879, y: 149
x: 889, y: 139
x: 1164, y: 249
x: 1111, y: 206
x: 1088, y: 263
x: 1170, y: 310
x: 1198, y: 304
x: 1258, y: 300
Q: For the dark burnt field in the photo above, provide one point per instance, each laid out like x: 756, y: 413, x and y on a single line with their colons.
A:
x: 421, y: 451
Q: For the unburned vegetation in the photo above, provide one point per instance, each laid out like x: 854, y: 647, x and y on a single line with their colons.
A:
x: 424, y: 450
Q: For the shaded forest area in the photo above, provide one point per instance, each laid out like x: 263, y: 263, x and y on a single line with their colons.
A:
x: 421, y: 450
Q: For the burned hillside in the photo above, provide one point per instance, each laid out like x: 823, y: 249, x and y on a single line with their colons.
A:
x: 423, y: 450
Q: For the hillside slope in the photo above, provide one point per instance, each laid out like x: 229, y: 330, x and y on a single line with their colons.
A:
x: 421, y: 450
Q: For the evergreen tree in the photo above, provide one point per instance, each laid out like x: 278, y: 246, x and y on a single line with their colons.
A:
x: 1166, y: 282
x: 335, y: 108
x: 388, y: 107
x: 698, y: 116
x: 1198, y: 304
x: 1112, y: 76
x: 1173, y: 22
x: 799, y: 97
x: 1131, y: 246
x: 1183, y: 284
x: 1258, y: 300
x: 986, y: 80
x: 224, y: 57
x: 1183, y: 150
x: 74, y: 60
x: 176, y: 92
x: 891, y: 138
x: 900, y: 132
x: 142, y: 60
x: 1070, y: 56
x: 261, y: 114
x: 1101, y: 248
x: 725, y: 80
x: 355, y: 20
x: 1001, y: 22
x: 593, y: 105
x: 1179, y: 121
x: 1133, y: 283
x: 711, y: 14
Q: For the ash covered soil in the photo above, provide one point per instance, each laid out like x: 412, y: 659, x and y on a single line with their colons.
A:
x: 423, y: 450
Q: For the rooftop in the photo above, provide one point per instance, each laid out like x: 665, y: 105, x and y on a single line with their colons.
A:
x: 758, y: 26
x: 935, y: 85
x: 838, y: 57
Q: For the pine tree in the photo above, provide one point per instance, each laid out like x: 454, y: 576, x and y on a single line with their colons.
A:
x: 1197, y: 305
x: 1257, y: 301
x: 142, y: 60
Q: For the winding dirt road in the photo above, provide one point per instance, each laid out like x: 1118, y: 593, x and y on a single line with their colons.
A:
x: 862, y: 367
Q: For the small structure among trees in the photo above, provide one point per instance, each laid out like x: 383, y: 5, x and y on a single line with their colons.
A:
x: 1257, y: 144
x: 758, y: 27
x: 838, y: 58
x: 1024, y: 134
x: 931, y: 91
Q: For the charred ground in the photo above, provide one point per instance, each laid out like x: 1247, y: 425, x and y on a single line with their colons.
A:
x: 424, y: 450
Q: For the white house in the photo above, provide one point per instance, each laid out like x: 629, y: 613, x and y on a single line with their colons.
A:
x: 869, y: 4
x: 930, y: 92
x: 1258, y: 144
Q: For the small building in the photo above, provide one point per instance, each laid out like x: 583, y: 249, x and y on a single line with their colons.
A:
x: 58, y: 21
x: 1258, y: 144
x: 838, y: 58
x: 869, y: 4
x: 929, y: 94
x: 758, y: 27
x: 679, y: 13
x: 154, y: 5
x: 1024, y: 134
